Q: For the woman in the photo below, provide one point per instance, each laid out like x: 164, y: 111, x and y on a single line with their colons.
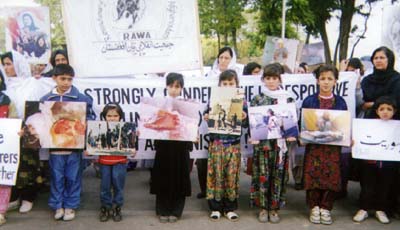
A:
x: 226, y: 59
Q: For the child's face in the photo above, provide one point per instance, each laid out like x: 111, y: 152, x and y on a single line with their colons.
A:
x: 174, y: 90
x: 228, y: 83
x: 112, y: 115
x: 385, y: 112
x: 272, y: 82
x: 326, y: 82
x: 64, y: 83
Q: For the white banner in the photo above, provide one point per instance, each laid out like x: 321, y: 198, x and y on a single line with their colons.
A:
x: 127, y: 91
x: 122, y: 37
x: 9, y: 150
x: 376, y: 139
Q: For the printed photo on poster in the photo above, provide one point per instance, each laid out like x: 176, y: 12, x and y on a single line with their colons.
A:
x: 55, y: 125
x: 376, y: 139
x: 110, y: 138
x: 28, y: 33
x: 323, y: 126
x: 169, y: 119
x: 280, y: 50
x: 273, y: 121
x: 226, y: 110
x: 391, y: 30
x: 313, y: 54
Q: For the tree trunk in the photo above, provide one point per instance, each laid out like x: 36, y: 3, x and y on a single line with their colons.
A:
x: 308, y: 38
x: 348, y: 9
x: 234, y: 43
x: 219, y: 41
x: 325, y: 40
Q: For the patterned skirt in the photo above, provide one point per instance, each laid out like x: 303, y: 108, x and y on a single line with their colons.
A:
x: 223, y: 171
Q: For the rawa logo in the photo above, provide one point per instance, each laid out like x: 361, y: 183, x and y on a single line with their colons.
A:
x: 128, y: 12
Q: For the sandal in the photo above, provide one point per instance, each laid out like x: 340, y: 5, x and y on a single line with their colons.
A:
x: 232, y: 216
x: 215, y: 215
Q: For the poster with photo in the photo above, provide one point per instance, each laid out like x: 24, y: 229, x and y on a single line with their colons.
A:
x: 313, y: 54
x: 54, y: 125
x: 273, y: 121
x: 376, y: 139
x: 226, y: 110
x: 28, y: 33
x: 110, y: 138
x: 280, y: 50
x: 391, y: 30
x: 9, y: 151
x: 169, y: 119
x: 121, y: 32
x: 324, y: 126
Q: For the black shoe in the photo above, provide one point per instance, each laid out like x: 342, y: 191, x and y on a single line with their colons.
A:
x: 201, y: 195
x: 117, y: 216
x: 104, y: 214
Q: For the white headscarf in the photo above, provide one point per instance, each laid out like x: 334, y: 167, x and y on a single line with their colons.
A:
x: 21, y: 65
x: 215, y: 71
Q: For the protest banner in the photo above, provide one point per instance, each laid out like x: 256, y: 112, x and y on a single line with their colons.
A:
x: 9, y: 150
x: 28, y: 33
x: 376, y: 139
x: 128, y: 91
x: 123, y: 37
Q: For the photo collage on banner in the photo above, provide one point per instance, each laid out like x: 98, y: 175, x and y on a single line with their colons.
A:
x: 28, y: 33
x: 280, y: 50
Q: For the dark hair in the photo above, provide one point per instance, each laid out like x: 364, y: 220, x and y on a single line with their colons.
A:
x: 326, y: 68
x: 228, y: 75
x: 63, y: 69
x: 224, y: 49
x: 112, y: 106
x: 55, y: 53
x: 384, y: 100
x: 389, y: 54
x: 175, y: 77
x: 272, y: 70
x: 44, y: 40
x: 304, y: 66
x: 6, y: 55
x: 32, y: 26
x: 248, y: 69
x: 2, y: 82
x: 356, y: 64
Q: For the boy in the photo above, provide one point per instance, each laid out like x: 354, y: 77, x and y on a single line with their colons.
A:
x: 65, y: 166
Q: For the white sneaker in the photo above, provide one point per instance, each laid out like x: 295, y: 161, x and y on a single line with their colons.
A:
x: 59, y: 214
x: 26, y: 206
x: 2, y: 219
x: 381, y: 216
x: 69, y: 214
x: 315, y: 216
x: 360, y: 216
x: 13, y: 205
x: 326, y: 217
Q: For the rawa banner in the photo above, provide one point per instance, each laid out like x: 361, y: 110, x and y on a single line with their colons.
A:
x: 121, y: 37
x: 9, y: 150
x: 128, y: 91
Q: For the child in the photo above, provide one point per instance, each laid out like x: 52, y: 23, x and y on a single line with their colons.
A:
x: 270, y: 159
x: 322, y: 162
x: 224, y: 164
x: 7, y: 110
x: 65, y: 165
x: 113, y: 173
x: 377, y: 177
x: 170, y: 175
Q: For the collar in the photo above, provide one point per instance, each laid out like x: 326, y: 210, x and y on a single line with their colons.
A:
x: 54, y: 91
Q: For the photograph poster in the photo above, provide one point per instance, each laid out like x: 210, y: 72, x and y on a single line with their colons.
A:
x: 54, y: 125
x: 169, y: 119
x: 226, y: 110
x: 273, y: 121
x: 110, y: 138
x: 325, y: 126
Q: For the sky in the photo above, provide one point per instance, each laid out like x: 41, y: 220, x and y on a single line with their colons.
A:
x: 365, y: 46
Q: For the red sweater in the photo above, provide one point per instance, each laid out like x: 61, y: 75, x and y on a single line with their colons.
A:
x: 112, y: 160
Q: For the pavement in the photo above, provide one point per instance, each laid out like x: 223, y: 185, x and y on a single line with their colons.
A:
x: 139, y: 210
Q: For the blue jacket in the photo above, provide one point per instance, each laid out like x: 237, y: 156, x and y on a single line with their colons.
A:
x: 312, y: 102
x: 73, y: 95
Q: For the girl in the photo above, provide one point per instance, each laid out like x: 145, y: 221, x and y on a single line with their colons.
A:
x: 223, y: 164
x: 377, y: 177
x: 113, y: 173
x: 170, y: 175
x: 322, y: 162
x: 270, y: 159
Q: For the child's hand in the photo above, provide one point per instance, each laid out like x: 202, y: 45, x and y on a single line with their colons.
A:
x: 244, y: 115
x: 137, y: 133
x: 205, y: 117
x: 21, y: 132
x: 301, y: 143
x: 197, y: 140
x: 254, y: 142
x: 132, y: 153
x: 352, y: 143
x: 86, y: 153
x: 291, y: 139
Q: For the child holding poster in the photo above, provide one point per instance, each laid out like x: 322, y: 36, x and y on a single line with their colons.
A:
x: 270, y: 158
x: 7, y: 110
x: 171, y: 171
x: 377, y: 177
x: 322, y: 162
x: 224, y: 163
x: 113, y: 173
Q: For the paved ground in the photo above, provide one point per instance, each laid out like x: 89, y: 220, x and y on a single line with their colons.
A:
x: 139, y: 211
